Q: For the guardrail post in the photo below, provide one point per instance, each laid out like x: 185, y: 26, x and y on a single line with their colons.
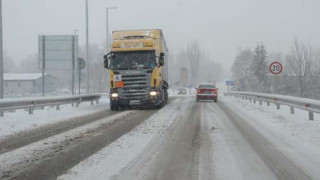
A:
x: 311, y: 115
x: 291, y: 109
x: 30, y: 110
x: 91, y: 103
x: 278, y: 106
x: 1, y: 113
x: 77, y: 104
x: 250, y: 99
x: 260, y: 101
x: 254, y: 100
x: 58, y: 107
x: 268, y: 103
x: 97, y: 101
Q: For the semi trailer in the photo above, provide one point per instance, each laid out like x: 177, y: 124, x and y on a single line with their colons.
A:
x: 138, y: 69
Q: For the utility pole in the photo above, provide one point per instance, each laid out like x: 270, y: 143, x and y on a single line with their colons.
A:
x: 1, y: 53
x: 107, y: 29
x: 87, y: 47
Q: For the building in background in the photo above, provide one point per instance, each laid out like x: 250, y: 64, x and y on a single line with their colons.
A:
x: 28, y: 84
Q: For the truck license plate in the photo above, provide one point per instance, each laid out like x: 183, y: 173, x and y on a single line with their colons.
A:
x: 134, y: 102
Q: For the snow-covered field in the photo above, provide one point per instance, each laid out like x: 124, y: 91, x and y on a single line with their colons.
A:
x: 15, y: 122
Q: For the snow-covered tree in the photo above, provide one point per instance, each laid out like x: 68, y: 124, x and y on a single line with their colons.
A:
x: 300, y: 61
x: 259, y: 67
x: 241, y: 69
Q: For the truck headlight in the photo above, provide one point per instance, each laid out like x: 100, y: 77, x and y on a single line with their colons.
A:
x: 114, y: 95
x: 153, y: 93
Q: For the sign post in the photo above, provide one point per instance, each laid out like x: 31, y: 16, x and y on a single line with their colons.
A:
x: 58, y: 52
x: 276, y: 68
x: 81, y: 66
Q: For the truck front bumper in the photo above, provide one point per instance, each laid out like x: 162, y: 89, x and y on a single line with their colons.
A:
x: 148, y: 102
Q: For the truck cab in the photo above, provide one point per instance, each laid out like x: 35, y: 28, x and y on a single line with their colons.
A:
x: 138, y: 69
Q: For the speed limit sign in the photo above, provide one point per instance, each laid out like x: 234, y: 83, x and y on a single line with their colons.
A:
x: 275, y: 68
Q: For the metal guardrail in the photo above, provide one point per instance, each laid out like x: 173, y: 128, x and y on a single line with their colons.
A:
x: 32, y: 104
x: 310, y: 105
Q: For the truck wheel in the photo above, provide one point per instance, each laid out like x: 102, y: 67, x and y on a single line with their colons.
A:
x: 114, y: 107
x: 166, y: 96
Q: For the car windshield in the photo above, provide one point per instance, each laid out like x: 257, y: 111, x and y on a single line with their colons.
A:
x: 133, y: 60
x: 206, y: 86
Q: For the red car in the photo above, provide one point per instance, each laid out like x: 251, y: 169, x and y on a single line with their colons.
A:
x: 207, y: 92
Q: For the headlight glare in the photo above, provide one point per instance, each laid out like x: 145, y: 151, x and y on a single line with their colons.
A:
x: 153, y: 93
x: 114, y: 95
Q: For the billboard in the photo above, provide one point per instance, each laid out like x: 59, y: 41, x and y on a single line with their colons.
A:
x: 58, y: 52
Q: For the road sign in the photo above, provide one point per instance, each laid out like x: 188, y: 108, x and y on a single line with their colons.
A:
x: 275, y: 68
x: 229, y: 83
x: 58, y: 52
x: 81, y: 63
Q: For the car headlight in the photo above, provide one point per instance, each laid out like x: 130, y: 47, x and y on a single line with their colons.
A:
x: 114, y: 95
x: 153, y: 93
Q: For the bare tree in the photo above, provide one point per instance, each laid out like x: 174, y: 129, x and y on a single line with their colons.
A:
x: 194, y: 57
x: 300, y: 61
x: 241, y: 69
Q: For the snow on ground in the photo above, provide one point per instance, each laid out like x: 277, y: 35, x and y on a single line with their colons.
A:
x: 40, y: 149
x: 295, y: 125
x: 294, y: 135
x: 109, y: 161
x: 15, y: 122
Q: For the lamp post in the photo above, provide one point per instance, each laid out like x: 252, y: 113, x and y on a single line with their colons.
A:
x: 87, y: 46
x: 1, y: 53
x: 107, y: 24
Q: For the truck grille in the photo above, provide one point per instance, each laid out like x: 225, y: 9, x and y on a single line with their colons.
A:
x: 135, y: 86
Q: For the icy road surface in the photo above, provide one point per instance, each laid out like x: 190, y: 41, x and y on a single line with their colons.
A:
x: 184, y: 140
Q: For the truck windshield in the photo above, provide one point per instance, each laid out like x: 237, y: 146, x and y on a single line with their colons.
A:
x: 133, y: 60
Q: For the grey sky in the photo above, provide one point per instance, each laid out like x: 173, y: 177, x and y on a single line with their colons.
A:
x: 220, y: 26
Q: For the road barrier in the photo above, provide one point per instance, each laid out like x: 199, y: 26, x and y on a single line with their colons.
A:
x: 32, y: 104
x: 310, y: 105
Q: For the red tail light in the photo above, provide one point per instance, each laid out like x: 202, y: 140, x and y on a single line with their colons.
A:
x: 214, y: 91
x: 199, y: 91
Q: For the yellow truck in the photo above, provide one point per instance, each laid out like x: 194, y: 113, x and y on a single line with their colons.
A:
x: 138, y: 69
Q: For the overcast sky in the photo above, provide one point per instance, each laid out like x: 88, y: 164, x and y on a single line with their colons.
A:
x: 220, y: 26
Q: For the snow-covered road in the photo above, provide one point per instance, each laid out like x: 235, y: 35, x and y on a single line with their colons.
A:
x: 230, y: 139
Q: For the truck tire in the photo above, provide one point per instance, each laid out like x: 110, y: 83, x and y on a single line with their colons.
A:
x: 166, y: 96
x: 114, y: 107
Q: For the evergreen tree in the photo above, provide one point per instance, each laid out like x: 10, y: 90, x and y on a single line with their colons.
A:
x: 259, y: 68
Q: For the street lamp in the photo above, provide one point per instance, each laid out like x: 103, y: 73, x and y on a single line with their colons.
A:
x: 1, y: 54
x: 87, y: 45
x: 107, y: 24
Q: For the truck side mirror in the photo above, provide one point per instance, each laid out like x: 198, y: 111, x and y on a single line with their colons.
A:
x: 106, y: 61
x: 161, y: 61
